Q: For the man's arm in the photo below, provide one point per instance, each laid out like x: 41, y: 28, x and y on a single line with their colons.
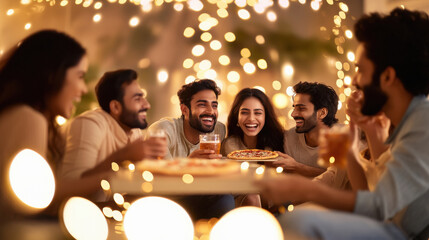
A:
x: 291, y: 165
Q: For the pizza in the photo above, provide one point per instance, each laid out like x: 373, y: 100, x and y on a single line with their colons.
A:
x: 193, y: 166
x: 256, y: 154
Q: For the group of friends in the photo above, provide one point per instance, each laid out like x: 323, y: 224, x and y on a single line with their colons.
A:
x: 381, y: 197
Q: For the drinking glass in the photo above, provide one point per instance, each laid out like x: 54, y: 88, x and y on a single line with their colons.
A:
x: 334, y: 144
x: 210, y: 141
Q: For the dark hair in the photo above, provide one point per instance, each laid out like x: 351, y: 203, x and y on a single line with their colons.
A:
x: 111, y: 86
x: 399, y: 40
x: 187, y: 91
x: 271, y: 134
x: 34, y: 69
x: 321, y: 96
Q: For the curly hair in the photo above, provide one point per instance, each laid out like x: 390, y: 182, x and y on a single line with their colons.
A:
x: 271, y: 134
x: 399, y: 40
x: 187, y: 91
x: 321, y: 96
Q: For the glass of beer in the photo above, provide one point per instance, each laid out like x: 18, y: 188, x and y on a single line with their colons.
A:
x: 334, y: 145
x: 156, y: 133
x: 210, y: 141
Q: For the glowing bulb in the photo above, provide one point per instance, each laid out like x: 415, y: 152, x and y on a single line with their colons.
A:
x: 224, y: 60
x: 190, y: 79
x: 134, y: 21
x: 96, y: 18
x: 148, y: 176
x: 277, y: 85
x: 60, y: 120
x: 206, y: 36
x: 198, y: 50
x: 178, y: 7
x: 245, y: 165
x: 189, y: 32
x: 279, y: 169
x: 188, y: 63
x: 284, y: 3
x: 195, y: 5
x: 233, y: 76
x: 315, y: 5
x: 10, y: 12
x: 149, y: 218
x: 260, y: 39
x: 118, y: 198
x: 289, y: 91
x: 245, y: 52
x: 31, y: 179
x: 249, y: 68
x: 262, y: 64
x: 98, y: 5
x: 105, y: 185
x: 244, y: 14
x: 287, y: 71
x: 230, y: 37
x: 27, y: 26
x: 340, y: 104
x: 215, y: 45
x: 347, y: 80
x: 162, y: 75
x: 271, y: 16
x: 84, y: 220
x: 351, y: 56
x: 247, y: 223
x: 280, y: 100
x: 205, y: 65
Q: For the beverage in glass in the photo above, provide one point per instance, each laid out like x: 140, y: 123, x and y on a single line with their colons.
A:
x: 156, y: 133
x: 210, y: 141
x: 334, y: 145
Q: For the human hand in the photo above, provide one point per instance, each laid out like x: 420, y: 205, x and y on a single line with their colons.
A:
x: 286, y: 162
x: 151, y: 148
x: 205, y: 153
x: 286, y: 188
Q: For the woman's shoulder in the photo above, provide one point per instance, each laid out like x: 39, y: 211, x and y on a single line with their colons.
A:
x: 22, y: 112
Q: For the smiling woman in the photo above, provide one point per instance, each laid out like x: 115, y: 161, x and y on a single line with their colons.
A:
x: 40, y: 78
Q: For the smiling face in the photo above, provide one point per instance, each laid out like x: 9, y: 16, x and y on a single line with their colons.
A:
x: 134, y: 106
x: 303, y: 113
x: 203, y: 113
x: 251, y: 116
x: 73, y: 89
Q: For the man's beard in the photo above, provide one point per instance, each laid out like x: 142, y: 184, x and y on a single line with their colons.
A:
x: 308, y: 125
x: 195, y: 122
x: 131, y: 119
x: 374, y: 98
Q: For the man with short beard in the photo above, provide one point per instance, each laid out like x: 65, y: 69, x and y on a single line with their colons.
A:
x: 314, y: 107
x: 198, y: 104
x: 97, y: 138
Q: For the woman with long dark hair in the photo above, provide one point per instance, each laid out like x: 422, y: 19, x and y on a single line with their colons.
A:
x: 252, y: 124
x: 40, y: 78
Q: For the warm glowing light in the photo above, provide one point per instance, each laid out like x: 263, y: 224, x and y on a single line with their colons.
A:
x: 245, y: 165
x: 115, y: 167
x: 287, y: 71
x: 343, y: 7
x: 302, y: 1
x: 245, y: 52
x: 271, y: 16
x: 233, y: 76
x: 230, y: 37
x: 190, y: 79
x: 187, y: 178
x: 338, y: 65
x: 198, y: 50
x: 340, y: 74
x: 147, y: 176
x: 118, y: 198
x: 157, y: 218
x: 289, y: 91
x: 277, y: 85
x: 315, y: 4
x: 347, y: 80
x: 260, y: 170
x: 195, y: 5
x: 84, y: 220
x: 260, y: 39
x: 25, y: 2
x: 162, y: 75
x: 247, y: 223
x: 279, y: 169
x: 96, y: 18
x: 210, y: 74
x: 223, y: 13
x: 60, y: 120
x: 205, y: 64
x: 339, y: 83
x: 147, y: 187
x: 64, y: 3
x: 189, y: 32
x: 178, y: 7
x: 346, y: 66
x: 347, y: 91
x: 107, y: 211
x: 188, y: 63
x: 117, y: 215
x: 284, y: 3
x: 134, y: 21
x: 249, y: 68
x: 244, y: 14
x: 262, y: 64
x: 342, y: 97
x: 98, y: 5
x: 280, y: 100
x: 27, y: 26
x: 262, y: 89
x: 215, y: 45
x: 131, y: 167
x: 290, y: 208
x: 351, y: 56
x: 206, y: 36
x: 224, y: 60
x: 340, y: 104
x: 174, y: 100
x: 144, y: 63
x: 10, y: 12
x: 105, y: 185
x: 331, y: 160
x: 240, y: 3
x: 31, y: 179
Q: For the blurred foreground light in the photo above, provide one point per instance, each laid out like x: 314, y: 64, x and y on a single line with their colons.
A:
x: 271, y: 16
x: 315, y: 4
x: 84, y: 220
x: 189, y: 32
x: 198, y: 50
x: 224, y: 60
x: 27, y: 26
x: 249, y: 68
x: 195, y: 5
x: 215, y: 45
x: 10, y: 12
x: 31, y: 179
x: 277, y: 85
x: 340, y: 105
x: 289, y: 91
x: 284, y: 3
x: 260, y: 39
x: 157, y: 218
x: 347, y: 80
x: 96, y: 18
x: 244, y: 14
x: 249, y: 223
x: 178, y: 7
x: 233, y: 76
x: 351, y: 56
x: 279, y: 169
x: 287, y: 71
x: 190, y: 79
x: 229, y: 37
x: 349, y: 34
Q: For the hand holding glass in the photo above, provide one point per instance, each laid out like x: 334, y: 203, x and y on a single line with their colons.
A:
x: 210, y: 141
x: 334, y: 144
x: 156, y: 133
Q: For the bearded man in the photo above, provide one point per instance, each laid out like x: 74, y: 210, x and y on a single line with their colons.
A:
x: 198, y: 103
